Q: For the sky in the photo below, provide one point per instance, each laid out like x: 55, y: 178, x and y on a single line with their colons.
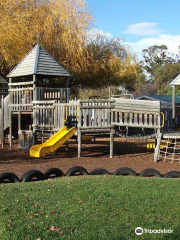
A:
x: 141, y: 23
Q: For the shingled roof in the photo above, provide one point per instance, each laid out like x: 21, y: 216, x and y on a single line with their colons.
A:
x: 176, y: 81
x: 2, y: 80
x: 161, y: 98
x: 38, y: 62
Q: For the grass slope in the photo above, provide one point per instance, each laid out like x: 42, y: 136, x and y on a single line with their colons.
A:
x: 98, y: 207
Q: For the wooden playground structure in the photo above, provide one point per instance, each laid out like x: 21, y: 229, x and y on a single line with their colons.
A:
x: 38, y: 106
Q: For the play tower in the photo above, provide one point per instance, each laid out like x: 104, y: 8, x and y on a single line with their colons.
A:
x: 38, y: 77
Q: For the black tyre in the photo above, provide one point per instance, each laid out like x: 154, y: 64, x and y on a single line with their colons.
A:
x: 53, y: 173
x: 8, y: 177
x: 150, y: 173
x: 32, y: 175
x: 172, y: 174
x: 74, y: 171
x: 99, y: 171
x: 125, y: 172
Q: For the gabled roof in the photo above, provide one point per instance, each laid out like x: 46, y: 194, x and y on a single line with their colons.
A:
x: 176, y: 81
x: 38, y: 62
x: 2, y: 80
x: 161, y: 98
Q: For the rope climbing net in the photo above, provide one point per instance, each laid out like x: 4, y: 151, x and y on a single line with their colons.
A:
x: 170, y: 150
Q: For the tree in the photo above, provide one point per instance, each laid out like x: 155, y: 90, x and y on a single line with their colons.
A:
x: 158, y: 69
x: 62, y: 27
x: 164, y: 75
x: 110, y: 63
x: 156, y: 56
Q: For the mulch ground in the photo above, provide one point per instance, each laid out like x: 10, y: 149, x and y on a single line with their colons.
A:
x: 127, y: 153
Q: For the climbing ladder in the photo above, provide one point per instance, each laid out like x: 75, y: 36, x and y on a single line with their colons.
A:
x: 172, y: 150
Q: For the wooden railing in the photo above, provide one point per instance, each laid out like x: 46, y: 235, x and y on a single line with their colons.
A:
x: 95, y: 114
x: 21, y: 96
x: 50, y: 115
x: 136, y: 113
x: 61, y: 95
x: 95, y: 117
x: 63, y: 111
x: 43, y: 115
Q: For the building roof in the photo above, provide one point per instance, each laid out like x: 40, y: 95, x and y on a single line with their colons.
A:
x: 176, y: 81
x: 161, y: 98
x: 2, y: 80
x: 38, y: 62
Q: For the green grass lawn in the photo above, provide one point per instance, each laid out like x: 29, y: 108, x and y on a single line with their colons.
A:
x: 92, y: 207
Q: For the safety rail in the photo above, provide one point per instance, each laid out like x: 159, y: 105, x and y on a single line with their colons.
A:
x: 136, y: 113
x: 50, y: 115
x: 21, y: 96
x: 24, y: 93
x: 95, y: 114
x: 61, y: 95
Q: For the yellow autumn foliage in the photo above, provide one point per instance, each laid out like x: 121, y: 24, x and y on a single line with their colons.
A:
x: 62, y: 28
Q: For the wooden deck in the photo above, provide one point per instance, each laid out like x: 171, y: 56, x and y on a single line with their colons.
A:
x: 175, y: 134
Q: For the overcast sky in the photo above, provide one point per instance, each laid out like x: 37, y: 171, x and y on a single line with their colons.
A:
x: 141, y: 23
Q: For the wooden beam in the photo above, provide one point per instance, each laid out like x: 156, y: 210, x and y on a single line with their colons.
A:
x: 10, y: 118
x: 156, y: 152
x: 67, y: 89
x: 79, y: 143
x: 20, y: 84
x: 34, y: 88
x: 34, y: 99
x: 10, y: 130
x: 2, y: 124
x: 67, y: 95
x: 19, y: 121
x: 173, y: 101
x: 111, y: 143
x: 20, y: 89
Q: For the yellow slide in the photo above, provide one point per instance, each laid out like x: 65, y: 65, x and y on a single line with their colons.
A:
x: 53, y: 143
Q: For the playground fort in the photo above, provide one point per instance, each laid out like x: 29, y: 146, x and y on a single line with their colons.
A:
x: 38, y: 106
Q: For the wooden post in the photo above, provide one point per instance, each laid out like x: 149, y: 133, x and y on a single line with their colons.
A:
x: 67, y: 146
x: 79, y: 143
x: 19, y: 120
x: 67, y: 90
x: 10, y: 130
x: 156, y: 152
x: 67, y: 97
x: 79, y: 131
x: 34, y: 99
x: 10, y: 119
x: 2, y: 122
x: 111, y: 143
x: 159, y: 137
x: 174, y: 102
x: 34, y: 88
x: 61, y: 97
x: 19, y: 126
